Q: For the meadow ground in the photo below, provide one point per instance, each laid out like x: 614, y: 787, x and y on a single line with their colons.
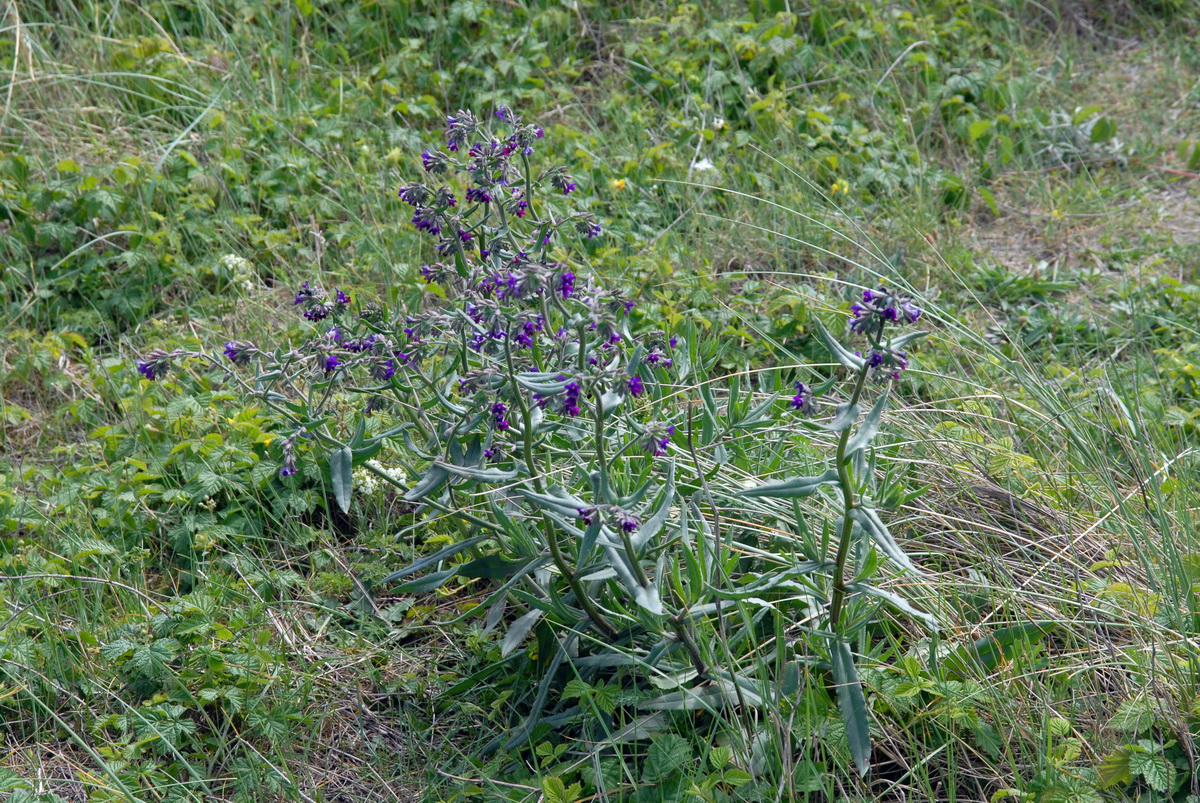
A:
x: 181, y: 622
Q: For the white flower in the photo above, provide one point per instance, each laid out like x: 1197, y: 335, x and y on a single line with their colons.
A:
x: 703, y: 166
x: 718, y: 124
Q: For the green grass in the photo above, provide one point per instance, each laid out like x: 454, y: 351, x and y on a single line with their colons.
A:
x: 177, y: 625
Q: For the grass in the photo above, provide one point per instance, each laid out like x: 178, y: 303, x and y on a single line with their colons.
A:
x: 178, y: 626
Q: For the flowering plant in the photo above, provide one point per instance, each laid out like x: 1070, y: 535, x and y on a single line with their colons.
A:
x: 546, y: 417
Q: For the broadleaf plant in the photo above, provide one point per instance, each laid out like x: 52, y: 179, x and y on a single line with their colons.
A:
x: 546, y: 423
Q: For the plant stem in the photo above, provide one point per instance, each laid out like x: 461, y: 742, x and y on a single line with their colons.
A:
x: 846, y: 481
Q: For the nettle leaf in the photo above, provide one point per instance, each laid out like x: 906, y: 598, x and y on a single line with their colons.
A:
x: 554, y: 790
x: 667, y: 754
x: 1136, y: 715
x: 1155, y: 769
x: 791, y: 488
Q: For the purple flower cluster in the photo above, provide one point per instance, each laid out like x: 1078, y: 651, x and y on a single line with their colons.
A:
x: 872, y: 315
x: 317, y: 306
x: 657, y: 439
x: 879, y: 308
x: 804, y: 402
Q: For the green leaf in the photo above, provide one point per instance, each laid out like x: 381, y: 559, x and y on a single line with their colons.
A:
x: 839, y: 352
x: 1116, y: 769
x: 986, y: 653
x: 870, y: 427
x: 481, y: 474
x: 791, y: 488
x: 977, y: 129
x: 427, y: 583
x: 667, y: 754
x: 555, y: 791
x: 989, y: 199
x: 518, y: 630
x: 430, y: 560
x: 1103, y: 130
x: 869, y: 520
x: 896, y: 601
x: 844, y: 418
x: 1154, y: 768
x: 853, y: 705
x: 1136, y: 715
x: 490, y: 567
x: 341, y: 472
x: 433, y: 479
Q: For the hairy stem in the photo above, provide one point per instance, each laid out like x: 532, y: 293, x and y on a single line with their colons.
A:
x: 846, y: 480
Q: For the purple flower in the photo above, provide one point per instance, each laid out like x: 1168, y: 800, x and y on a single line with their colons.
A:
x: 305, y: 293
x: 568, y: 188
x: 342, y: 298
x: 415, y: 195
x: 571, y: 393
x: 148, y: 369
x: 803, y: 401
x: 384, y: 370
x: 426, y: 219
x: 629, y: 306
x: 674, y: 341
x: 627, y: 521
x: 498, y: 411
x: 657, y: 440
x: 331, y: 362
x: 289, y: 454
x: 588, y: 514
x: 238, y: 353
x: 317, y: 312
x: 911, y: 311
x: 566, y: 285
x: 635, y: 386
x: 477, y: 195
x: 465, y: 236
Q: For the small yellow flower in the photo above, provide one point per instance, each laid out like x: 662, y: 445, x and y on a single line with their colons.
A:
x: 618, y: 183
x: 1054, y: 213
x: 839, y: 186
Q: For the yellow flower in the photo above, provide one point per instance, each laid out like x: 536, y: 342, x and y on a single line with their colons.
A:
x: 840, y: 186
x: 618, y: 183
x: 1054, y: 213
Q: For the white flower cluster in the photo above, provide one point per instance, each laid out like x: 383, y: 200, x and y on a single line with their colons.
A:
x: 239, y: 270
x: 368, y: 483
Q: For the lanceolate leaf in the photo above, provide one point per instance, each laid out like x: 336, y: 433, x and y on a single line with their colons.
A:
x: 853, y: 705
x: 870, y: 427
x: 341, y: 472
x: 517, y: 632
x: 869, y: 520
x: 843, y: 418
x: 434, y: 559
x: 794, y: 487
x: 896, y: 601
x: 899, y: 343
x: 481, y: 474
x: 434, y: 477
x: 839, y: 352
x: 427, y: 583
